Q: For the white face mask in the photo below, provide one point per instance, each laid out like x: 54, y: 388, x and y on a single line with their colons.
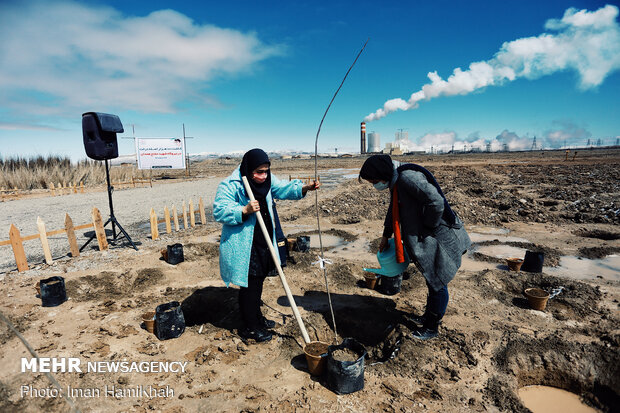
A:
x: 380, y: 186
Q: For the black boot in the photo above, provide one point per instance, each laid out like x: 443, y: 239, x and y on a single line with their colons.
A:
x: 418, y: 320
x: 429, y: 329
x: 259, y: 335
x: 266, y: 322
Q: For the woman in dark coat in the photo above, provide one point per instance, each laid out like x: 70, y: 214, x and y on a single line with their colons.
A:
x: 433, y: 235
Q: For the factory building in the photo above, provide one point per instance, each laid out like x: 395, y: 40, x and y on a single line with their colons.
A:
x: 374, y: 142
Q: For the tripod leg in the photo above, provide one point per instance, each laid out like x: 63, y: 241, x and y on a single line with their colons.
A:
x: 124, y: 233
x: 94, y: 236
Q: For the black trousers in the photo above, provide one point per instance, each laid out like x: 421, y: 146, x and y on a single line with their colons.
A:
x: 249, y: 302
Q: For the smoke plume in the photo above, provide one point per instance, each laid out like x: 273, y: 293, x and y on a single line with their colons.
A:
x: 587, y: 42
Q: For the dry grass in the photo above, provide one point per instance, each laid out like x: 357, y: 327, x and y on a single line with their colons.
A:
x: 39, y: 172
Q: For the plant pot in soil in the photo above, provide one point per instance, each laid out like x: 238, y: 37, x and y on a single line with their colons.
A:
x: 53, y: 292
x: 169, y: 321
x: 391, y: 285
x: 149, y: 321
x: 514, y: 263
x: 345, y: 367
x: 537, y: 298
x: 533, y: 261
x: 175, y: 254
x: 316, y: 356
x: 303, y: 243
x: 371, y: 280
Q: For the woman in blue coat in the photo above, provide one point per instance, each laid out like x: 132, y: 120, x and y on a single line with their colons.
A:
x: 245, y: 259
x: 432, y: 233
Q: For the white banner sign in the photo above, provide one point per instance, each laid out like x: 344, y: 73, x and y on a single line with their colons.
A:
x: 160, y: 153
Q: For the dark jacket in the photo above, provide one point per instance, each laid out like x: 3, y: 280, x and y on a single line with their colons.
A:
x: 434, y: 246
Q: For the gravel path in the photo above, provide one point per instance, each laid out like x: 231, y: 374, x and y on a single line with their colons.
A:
x: 131, y: 208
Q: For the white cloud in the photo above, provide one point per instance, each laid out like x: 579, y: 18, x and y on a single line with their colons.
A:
x: 67, y: 56
x: 25, y: 126
x: 565, y: 133
x: 586, y: 42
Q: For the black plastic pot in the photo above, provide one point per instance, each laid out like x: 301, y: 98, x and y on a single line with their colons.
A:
x: 175, y: 254
x: 169, y: 320
x: 53, y: 291
x: 303, y: 243
x: 344, y: 377
x: 391, y: 285
x: 533, y: 261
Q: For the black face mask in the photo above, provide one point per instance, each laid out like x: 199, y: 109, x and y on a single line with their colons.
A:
x: 252, y: 160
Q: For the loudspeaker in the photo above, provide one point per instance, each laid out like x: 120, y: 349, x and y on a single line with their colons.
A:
x: 99, y: 131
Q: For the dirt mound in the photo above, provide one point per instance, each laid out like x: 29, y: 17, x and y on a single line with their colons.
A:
x: 597, y: 252
x: 577, y: 299
x: 202, y: 250
x: 147, y: 277
x: 597, y: 234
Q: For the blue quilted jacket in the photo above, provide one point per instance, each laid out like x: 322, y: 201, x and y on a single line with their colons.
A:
x: 237, y: 235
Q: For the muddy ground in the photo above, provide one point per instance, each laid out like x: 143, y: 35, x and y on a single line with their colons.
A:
x: 490, y: 344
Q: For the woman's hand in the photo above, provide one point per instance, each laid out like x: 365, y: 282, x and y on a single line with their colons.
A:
x: 383, y: 244
x: 312, y: 186
x: 251, y: 208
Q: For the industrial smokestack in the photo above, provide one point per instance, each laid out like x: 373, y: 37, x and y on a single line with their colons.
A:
x: 363, y: 138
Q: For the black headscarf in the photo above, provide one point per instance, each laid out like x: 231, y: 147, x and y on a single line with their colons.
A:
x: 252, y: 160
x: 378, y: 168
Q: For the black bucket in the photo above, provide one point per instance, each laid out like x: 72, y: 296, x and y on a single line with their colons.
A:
x: 344, y: 377
x: 533, y: 261
x: 391, y: 285
x: 175, y: 254
x: 53, y: 291
x: 169, y: 320
x: 303, y: 243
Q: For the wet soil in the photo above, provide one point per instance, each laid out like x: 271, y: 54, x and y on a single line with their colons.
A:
x: 316, y: 349
x: 490, y: 344
x: 345, y: 354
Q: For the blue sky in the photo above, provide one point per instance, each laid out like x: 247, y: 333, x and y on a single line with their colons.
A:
x: 244, y: 74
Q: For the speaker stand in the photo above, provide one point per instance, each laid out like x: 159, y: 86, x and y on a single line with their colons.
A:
x: 112, y: 218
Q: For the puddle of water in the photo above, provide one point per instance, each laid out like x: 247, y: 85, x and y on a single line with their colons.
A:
x: 490, y: 230
x: 547, y: 399
x: 358, y: 250
x: 501, y: 251
x: 584, y: 268
x: 469, y: 264
x: 328, y: 241
x: 480, y: 237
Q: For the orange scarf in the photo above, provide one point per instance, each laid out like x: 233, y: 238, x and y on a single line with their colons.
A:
x: 398, y: 242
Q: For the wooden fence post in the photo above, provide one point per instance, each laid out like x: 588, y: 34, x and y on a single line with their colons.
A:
x: 44, y: 243
x: 53, y: 189
x: 184, y: 216
x: 201, y: 206
x: 74, y: 188
x: 175, y: 218
x: 154, y: 231
x: 73, y: 246
x: 99, y: 230
x: 81, y: 187
x: 18, y: 249
x: 167, y: 218
x: 192, y: 213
